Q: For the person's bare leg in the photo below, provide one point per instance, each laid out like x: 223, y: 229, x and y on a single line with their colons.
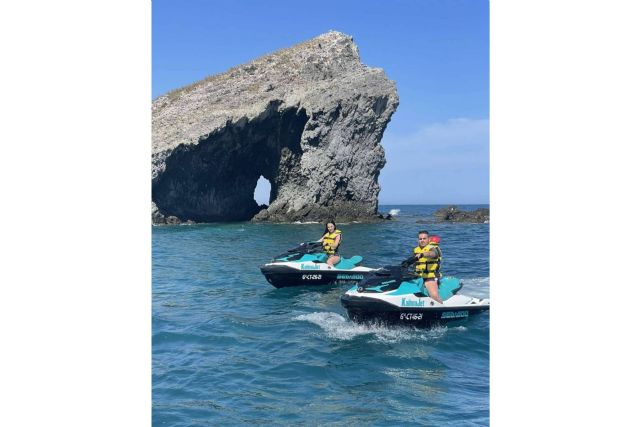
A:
x: 432, y: 287
x: 333, y: 259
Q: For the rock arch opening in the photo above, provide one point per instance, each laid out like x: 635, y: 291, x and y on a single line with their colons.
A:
x: 215, y: 180
x: 262, y: 193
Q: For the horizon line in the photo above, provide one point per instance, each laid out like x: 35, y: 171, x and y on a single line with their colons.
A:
x: 432, y: 204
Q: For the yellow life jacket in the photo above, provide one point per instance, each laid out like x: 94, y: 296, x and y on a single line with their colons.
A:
x: 428, y: 268
x: 328, y: 239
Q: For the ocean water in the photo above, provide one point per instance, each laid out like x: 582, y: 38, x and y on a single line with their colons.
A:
x: 230, y: 349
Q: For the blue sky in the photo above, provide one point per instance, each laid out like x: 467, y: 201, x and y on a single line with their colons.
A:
x: 436, y: 51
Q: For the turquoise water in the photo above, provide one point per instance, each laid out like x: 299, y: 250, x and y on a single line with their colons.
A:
x: 230, y: 349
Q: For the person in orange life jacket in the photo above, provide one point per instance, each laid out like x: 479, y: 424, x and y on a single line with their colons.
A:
x: 330, y: 241
x: 428, y: 256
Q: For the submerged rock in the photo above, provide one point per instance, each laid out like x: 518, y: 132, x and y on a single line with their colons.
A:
x: 453, y: 214
x: 309, y: 119
x: 387, y: 216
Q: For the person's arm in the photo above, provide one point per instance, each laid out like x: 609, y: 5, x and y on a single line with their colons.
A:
x: 336, y: 242
x: 433, y: 253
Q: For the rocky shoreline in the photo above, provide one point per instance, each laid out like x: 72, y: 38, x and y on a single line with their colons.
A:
x: 454, y: 214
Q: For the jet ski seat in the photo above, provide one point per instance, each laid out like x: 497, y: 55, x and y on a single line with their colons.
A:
x: 348, y: 263
x: 447, y: 287
x: 318, y: 257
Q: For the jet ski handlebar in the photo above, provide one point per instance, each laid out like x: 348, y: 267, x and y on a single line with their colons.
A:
x: 398, y: 270
x: 306, y: 247
x: 409, y: 261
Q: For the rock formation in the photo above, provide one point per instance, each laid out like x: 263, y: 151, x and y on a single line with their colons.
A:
x: 309, y: 119
x: 453, y: 214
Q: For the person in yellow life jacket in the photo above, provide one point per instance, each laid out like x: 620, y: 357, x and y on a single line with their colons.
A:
x: 330, y: 242
x: 428, y: 257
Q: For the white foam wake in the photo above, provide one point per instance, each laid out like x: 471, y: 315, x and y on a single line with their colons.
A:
x: 337, y: 327
x: 394, y: 212
x: 476, y: 286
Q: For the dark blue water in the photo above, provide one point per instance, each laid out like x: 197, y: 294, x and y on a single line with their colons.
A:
x: 230, y: 349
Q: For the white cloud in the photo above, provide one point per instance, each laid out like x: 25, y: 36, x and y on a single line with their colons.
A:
x: 455, y: 138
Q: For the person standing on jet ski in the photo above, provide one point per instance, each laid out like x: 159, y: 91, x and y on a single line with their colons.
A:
x: 428, y: 257
x: 330, y: 242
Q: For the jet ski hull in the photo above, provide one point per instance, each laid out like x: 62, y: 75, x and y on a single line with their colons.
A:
x: 365, y: 309
x: 282, y: 276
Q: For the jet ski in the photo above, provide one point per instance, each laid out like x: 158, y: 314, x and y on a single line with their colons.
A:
x: 393, y: 295
x: 306, y: 264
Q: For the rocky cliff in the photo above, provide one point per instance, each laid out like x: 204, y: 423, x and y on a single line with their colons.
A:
x: 308, y: 118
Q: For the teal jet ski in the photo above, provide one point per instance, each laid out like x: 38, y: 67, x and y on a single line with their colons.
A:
x: 394, y: 295
x: 306, y: 264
